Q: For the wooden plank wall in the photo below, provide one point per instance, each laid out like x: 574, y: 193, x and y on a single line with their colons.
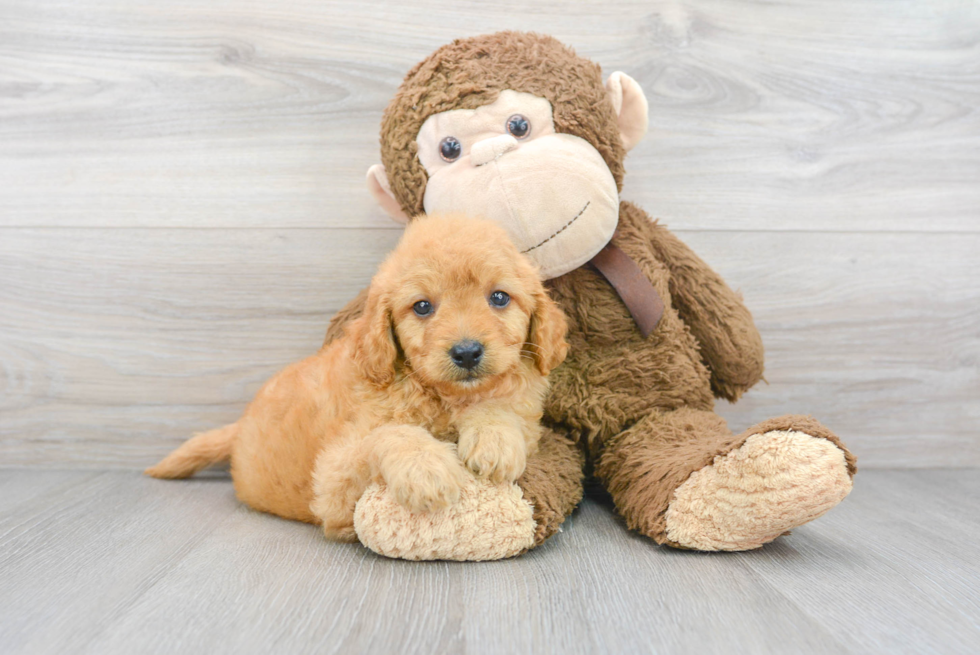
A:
x: 182, y: 204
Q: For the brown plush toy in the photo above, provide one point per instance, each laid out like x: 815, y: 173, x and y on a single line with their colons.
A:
x: 517, y: 128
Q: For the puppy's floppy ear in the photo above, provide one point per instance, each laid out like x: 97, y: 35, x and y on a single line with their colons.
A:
x: 547, y: 332
x: 375, y: 350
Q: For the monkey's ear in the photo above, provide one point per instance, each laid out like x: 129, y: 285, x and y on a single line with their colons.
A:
x: 377, y: 181
x: 631, y: 107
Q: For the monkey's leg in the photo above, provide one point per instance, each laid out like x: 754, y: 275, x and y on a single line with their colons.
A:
x: 683, y: 479
x: 490, y: 521
x: 552, y: 482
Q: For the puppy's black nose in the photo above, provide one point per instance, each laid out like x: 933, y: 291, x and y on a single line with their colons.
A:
x: 466, y: 354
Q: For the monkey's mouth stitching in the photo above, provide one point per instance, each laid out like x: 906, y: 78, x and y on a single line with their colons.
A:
x: 560, y: 230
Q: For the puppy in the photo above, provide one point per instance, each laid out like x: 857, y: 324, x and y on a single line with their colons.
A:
x: 446, y: 367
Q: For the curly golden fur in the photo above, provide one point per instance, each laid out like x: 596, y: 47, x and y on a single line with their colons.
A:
x: 386, y: 402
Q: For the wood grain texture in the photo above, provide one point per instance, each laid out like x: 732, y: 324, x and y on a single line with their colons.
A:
x: 182, y: 203
x: 920, y: 530
x: 807, y: 115
x: 20, y: 486
x: 105, y: 541
x: 118, y: 346
x: 120, y: 564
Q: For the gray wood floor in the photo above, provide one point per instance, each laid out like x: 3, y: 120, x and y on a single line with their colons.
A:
x: 112, y: 562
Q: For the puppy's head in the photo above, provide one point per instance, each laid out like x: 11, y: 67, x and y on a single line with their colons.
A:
x: 456, y: 306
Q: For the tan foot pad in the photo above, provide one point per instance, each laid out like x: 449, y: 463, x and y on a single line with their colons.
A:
x: 774, y: 482
x: 489, y: 522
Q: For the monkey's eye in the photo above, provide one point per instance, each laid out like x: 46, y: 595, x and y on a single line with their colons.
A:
x: 518, y: 126
x: 499, y: 299
x: 422, y: 308
x: 450, y: 148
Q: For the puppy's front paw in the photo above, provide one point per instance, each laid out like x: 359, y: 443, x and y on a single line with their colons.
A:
x: 428, y: 480
x: 493, y: 451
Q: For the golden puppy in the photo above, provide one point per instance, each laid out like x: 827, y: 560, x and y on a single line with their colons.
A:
x: 453, y: 347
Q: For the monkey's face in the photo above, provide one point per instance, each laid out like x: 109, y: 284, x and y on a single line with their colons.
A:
x: 555, y: 193
x: 552, y: 192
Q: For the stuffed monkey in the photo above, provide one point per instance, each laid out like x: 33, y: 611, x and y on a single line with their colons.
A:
x: 517, y: 128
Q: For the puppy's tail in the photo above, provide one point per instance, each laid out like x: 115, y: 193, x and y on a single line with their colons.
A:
x: 198, y: 452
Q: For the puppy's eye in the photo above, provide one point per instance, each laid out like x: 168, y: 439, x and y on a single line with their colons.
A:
x: 450, y: 148
x: 518, y: 126
x: 499, y: 299
x: 422, y: 308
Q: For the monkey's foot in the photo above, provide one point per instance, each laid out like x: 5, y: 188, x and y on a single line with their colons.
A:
x: 774, y: 482
x: 489, y: 522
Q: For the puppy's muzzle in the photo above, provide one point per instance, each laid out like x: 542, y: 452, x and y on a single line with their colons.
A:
x: 467, y: 354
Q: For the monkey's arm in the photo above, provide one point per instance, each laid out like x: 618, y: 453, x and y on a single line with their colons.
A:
x: 351, y: 310
x: 731, y: 346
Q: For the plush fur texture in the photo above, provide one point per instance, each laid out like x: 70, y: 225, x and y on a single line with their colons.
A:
x: 384, y: 404
x: 470, y: 73
x: 740, y: 495
x: 488, y: 522
x: 641, y: 408
x: 644, y: 406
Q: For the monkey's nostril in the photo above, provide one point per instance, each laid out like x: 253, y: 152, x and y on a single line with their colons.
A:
x: 466, y: 354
